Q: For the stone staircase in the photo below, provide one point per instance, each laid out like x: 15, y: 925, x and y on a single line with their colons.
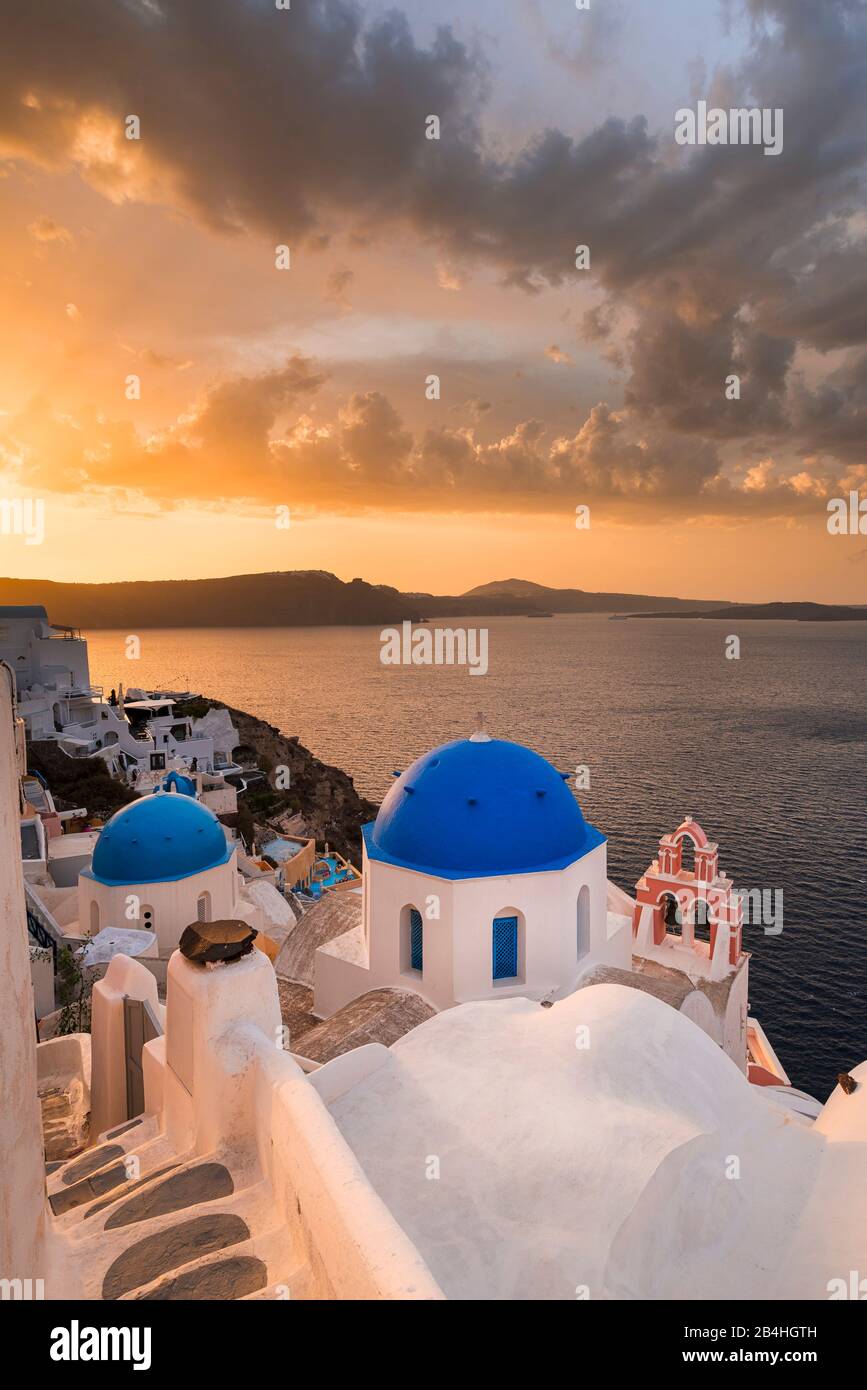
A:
x: 143, y: 1222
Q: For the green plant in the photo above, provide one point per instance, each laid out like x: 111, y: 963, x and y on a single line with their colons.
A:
x: 75, y: 983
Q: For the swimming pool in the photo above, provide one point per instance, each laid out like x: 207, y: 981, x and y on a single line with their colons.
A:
x: 337, y: 871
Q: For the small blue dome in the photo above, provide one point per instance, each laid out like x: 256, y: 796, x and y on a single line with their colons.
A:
x: 159, y: 839
x: 185, y: 785
x: 479, y: 808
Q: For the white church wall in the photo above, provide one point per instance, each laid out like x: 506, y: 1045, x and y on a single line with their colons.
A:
x: 734, y: 1027
x: 389, y: 892
x: 172, y: 906
x: 457, y: 923
x: 546, y: 905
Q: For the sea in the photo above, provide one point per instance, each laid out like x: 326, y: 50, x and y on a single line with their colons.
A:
x: 767, y: 750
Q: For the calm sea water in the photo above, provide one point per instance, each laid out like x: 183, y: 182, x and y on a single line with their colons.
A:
x: 768, y: 752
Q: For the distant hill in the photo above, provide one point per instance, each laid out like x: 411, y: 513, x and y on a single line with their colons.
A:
x: 315, y: 598
x: 790, y: 612
x: 296, y: 598
x: 525, y: 588
x: 582, y: 601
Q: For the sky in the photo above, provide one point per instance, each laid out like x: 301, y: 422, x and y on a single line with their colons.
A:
x: 173, y: 396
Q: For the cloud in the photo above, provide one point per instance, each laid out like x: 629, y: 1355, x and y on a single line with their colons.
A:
x: 219, y: 449
x: 255, y: 441
x: 712, y: 260
x: 596, y: 45
x: 164, y: 359
x: 250, y: 119
x: 447, y: 277
x: 337, y: 284
x: 557, y: 354
x: 45, y: 229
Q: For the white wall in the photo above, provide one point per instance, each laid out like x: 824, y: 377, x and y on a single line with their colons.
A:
x: 124, y: 977
x: 47, y: 659
x: 457, y: 955
x: 225, y: 1081
x: 546, y: 905
x: 734, y: 1041
x: 22, y: 1170
x: 174, y: 905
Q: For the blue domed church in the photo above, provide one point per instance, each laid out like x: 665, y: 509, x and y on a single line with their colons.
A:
x: 159, y: 864
x: 482, y: 879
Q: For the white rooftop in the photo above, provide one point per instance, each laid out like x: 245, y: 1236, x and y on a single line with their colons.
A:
x: 73, y: 843
x: 605, y: 1166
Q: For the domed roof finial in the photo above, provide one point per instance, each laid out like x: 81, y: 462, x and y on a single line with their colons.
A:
x: 481, y: 735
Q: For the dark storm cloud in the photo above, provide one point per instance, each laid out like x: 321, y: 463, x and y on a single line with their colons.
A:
x: 832, y: 418
x: 310, y: 123
x: 679, y: 371
x: 262, y: 117
x: 273, y: 119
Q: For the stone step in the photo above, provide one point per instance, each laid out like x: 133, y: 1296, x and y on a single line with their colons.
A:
x: 167, y: 1251
x: 244, y: 1270
x: 113, y: 1168
x: 186, y: 1187
x: 132, y: 1138
x: 224, y: 1280
x: 202, y: 1227
x: 118, y: 1194
x: 88, y: 1163
x: 67, y: 1199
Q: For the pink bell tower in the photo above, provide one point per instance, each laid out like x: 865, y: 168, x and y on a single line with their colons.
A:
x: 667, y: 879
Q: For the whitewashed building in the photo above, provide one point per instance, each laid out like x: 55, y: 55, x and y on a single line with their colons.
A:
x: 482, y: 880
x: 57, y: 701
x: 611, y: 1162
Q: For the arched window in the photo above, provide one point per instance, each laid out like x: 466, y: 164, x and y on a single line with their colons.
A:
x: 416, y: 940
x: 672, y: 918
x: 687, y: 852
x: 583, y: 923
x: 94, y: 917
x: 412, y: 940
x: 203, y: 907
x: 505, y: 948
x: 701, y: 920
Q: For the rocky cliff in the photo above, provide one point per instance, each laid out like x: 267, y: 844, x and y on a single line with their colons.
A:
x: 319, y: 800
x: 313, y: 799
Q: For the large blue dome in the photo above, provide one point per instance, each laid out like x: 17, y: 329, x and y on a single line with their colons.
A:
x: 480, y: 807
x: 159, y: 839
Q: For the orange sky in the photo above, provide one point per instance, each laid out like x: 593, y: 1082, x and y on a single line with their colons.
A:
x: 262, y: 390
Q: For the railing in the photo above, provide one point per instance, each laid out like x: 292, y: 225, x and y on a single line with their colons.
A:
x: 42, y: 937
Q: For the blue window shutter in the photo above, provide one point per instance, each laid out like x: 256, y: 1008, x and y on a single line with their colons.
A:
x: 505, y: 948
x: 416, y: 939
